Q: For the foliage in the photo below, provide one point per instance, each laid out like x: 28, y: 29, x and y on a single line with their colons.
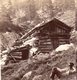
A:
x: 74, y: 37
x: 20, y: 16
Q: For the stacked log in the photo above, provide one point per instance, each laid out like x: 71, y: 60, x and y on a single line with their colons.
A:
x: 45, y: 44
x: 15, y: 55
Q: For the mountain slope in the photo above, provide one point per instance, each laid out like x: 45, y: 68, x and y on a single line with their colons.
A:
x: 41, y: 64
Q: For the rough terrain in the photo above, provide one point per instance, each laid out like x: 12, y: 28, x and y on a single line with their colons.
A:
x: 40, y: 66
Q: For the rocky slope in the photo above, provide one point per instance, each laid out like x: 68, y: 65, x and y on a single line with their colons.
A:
x: 40, y: 66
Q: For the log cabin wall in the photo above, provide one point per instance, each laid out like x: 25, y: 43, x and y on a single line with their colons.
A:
x: 51, y: 35
x: 45, y: 42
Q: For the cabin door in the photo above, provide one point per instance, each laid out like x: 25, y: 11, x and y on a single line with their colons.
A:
x: 55, y: 42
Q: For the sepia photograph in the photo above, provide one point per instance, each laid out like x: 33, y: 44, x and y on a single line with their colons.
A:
x: 38, y: 39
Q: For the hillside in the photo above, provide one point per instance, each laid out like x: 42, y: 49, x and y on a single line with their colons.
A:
x: 19, y: 17
x: 40, y: 65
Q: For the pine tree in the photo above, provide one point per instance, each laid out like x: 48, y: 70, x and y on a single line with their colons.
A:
x: 6, y: 11
x: 45, y: 9
x: 62, y: 5
x: 69, y: 4
x: 31, y: 10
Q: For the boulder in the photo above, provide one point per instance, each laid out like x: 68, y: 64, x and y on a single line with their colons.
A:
x: 27, y: 76
x: 38, y: 77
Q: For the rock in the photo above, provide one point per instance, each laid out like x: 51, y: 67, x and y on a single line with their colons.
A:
x: 42, y: 57
x: 38, y: 77
x: 27, y: 76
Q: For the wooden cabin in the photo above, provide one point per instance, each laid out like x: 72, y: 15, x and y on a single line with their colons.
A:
x: 50, y: 35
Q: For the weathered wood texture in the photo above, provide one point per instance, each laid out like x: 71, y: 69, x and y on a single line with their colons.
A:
x: 50, y: 35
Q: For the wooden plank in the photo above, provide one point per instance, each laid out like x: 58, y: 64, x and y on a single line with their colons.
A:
x: 45, y: 46
x: 41, y: 42
x: 48, y: 39
x: 45, y: 51
x: 44, y: 38
x: 17, y: 53
x: 63, y: 40
x: 45, y: 42
x: 15, y: 56
x: 60, y: 43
